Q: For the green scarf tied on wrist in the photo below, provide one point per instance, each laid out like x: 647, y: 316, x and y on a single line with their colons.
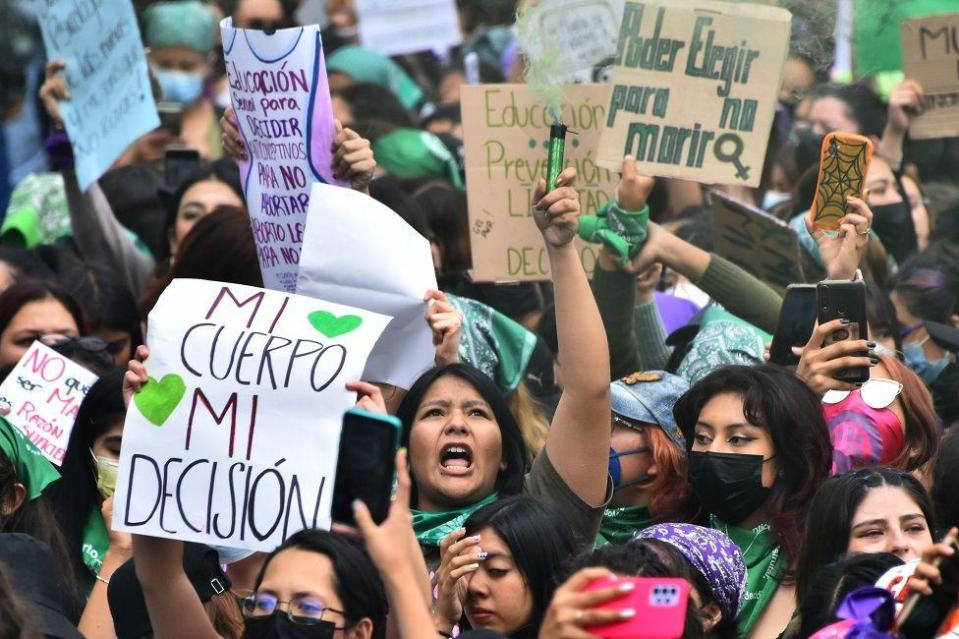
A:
x: 432, y: 528
x: 619, y: 525
x: 765, y: 564
x: 624, y: 232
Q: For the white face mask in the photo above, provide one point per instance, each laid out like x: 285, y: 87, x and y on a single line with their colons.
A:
x: 772, y: 198
x: 107, y: 471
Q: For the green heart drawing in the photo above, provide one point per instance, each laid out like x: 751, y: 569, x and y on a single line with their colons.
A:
x: 157, y: 400
x: 333, y: 326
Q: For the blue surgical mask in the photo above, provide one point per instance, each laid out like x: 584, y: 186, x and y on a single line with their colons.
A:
x: 179, y: 86
x: 915, y: 359
x: 616, y: 471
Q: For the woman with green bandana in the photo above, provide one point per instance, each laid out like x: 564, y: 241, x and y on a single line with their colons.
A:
x: 353, y: 63
x: 466, y: 449
x: 646, y: 456
x: 25, y: 477
x: 758, y: 447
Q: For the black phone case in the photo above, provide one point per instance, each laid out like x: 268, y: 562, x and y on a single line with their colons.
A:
x: 370, y: 447
x: 797, y: 318
x: 844, y: 300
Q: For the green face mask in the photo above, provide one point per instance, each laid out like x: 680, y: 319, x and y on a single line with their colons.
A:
x: 107, y: 470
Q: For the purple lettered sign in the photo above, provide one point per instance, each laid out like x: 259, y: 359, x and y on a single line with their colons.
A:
x: 281, y: 98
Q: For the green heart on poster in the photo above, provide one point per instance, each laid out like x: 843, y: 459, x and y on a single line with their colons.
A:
x: 158, y: 399
x: 333, y: 326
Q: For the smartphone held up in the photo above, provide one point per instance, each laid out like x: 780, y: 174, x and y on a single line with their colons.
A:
x: 843, y: 163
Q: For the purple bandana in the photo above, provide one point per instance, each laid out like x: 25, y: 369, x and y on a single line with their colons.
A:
x: 713, y: 554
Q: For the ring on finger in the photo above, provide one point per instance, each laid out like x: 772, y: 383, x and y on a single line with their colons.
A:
x: 866, y: 232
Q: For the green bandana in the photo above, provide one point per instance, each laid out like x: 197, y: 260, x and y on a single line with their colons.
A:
x: 432, y: 528
x: 410, y: 153
x: 620, y: 524
x: 765, y: 563
x: 33, y: 470
x: 38, y: 211
x: 366, y: 65
x: 494, y: 343
x: 96, y: 541
x: 622, y: 231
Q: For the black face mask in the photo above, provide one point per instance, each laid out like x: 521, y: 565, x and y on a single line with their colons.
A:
x: 279, y: 626
x: 894, y: 226
x: 808, y: 148
x: 730, y: 486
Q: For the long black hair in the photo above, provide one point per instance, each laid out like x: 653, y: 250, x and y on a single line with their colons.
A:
x: 510, y: 479
x: 222, y: 170
x: 355, y: 579
x: 75, y: 496
x: 831, y: 513
x: 540, y: 541
x: 777, y: 401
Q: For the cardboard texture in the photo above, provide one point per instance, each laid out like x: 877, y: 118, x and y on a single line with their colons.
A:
x: 930, y: 56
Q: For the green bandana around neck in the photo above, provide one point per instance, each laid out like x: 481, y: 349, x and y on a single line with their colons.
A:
x: 619, y: 525
x: 96, y: 541
x: 765, y: 563
x: 33, y: 470
x: 432, y: 528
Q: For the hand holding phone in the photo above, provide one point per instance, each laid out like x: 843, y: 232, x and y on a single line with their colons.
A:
x: 933, y: 590
x: 364, y: 467
x: 843, y: 162
x: 844, y: 301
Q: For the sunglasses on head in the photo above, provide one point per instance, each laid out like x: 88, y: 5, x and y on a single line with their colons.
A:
x: 875, y: 393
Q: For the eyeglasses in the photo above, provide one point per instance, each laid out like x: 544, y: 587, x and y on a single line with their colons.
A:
x: 875, y: 393
x: 303, y: 610
x: 88, y: 344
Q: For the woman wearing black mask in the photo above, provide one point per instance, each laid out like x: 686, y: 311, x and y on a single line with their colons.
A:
x: 316, y: 585
x: 758, y: 447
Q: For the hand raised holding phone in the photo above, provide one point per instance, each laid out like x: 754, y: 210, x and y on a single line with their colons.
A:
x: 821, y: 365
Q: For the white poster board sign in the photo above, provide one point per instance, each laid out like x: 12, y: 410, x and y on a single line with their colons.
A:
x: 233, y: 441
x: 395, y: 27
x: 44, y: 391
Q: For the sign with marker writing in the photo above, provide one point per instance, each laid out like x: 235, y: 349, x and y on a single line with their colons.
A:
x: 930, y: 56
x: 395, y: 27
x: 506, y: 130
x: 756, y: 241
x: 281, y: 98
x: 233, y: 441
x: 694, y: 89
x: 111, y: 103
x: 43, y: 392
x: 582, y: 33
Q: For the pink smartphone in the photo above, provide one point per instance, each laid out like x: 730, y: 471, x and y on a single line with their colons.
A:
x: 660, y: 605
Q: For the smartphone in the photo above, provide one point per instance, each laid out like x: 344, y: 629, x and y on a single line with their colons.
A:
x: 171, y: 116
x: 840, y: 299
x: 660, y: 605
x: 178, y: 163
x: 797, y: 319
x: 843, y: 162
x: 922, y: 616
x: 364, y: 466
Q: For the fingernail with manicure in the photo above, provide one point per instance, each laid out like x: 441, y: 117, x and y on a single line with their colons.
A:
x: 871, y: 344
x: 843, y: 321
x: 628, y: 613
x: 482, y: 555
x: 627, y: 586
x: 475, y: 538
x: 472, y: 567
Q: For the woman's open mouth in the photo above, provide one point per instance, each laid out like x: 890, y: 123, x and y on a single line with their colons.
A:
x: 456, y: 459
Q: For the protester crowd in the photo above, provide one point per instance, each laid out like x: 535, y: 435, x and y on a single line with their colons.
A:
x: 623, y: 423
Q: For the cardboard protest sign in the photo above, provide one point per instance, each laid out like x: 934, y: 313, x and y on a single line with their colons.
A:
x: 583, y: 33
x: 695, y: 86
x: 930, y: 56
x: 756, y: 241
x: 111, y: 103
x: 506, y: 129
x: 281, y: 97
x: 878, y: 46
x: 233, y: 441
x: 358, y: 252
x: 43, y: 392
x: 395, y: 27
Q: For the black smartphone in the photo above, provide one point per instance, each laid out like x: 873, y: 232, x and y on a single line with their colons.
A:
x: 364, y: 468
x: 171, y: 116
x: 178, y: 163
x: 921, y: 616
x: 841, y: 299
x: 797, y: 319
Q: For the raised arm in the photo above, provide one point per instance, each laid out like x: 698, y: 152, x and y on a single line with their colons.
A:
x: 578, y: 443
x: 96, y: 230
x: 176, y: 611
